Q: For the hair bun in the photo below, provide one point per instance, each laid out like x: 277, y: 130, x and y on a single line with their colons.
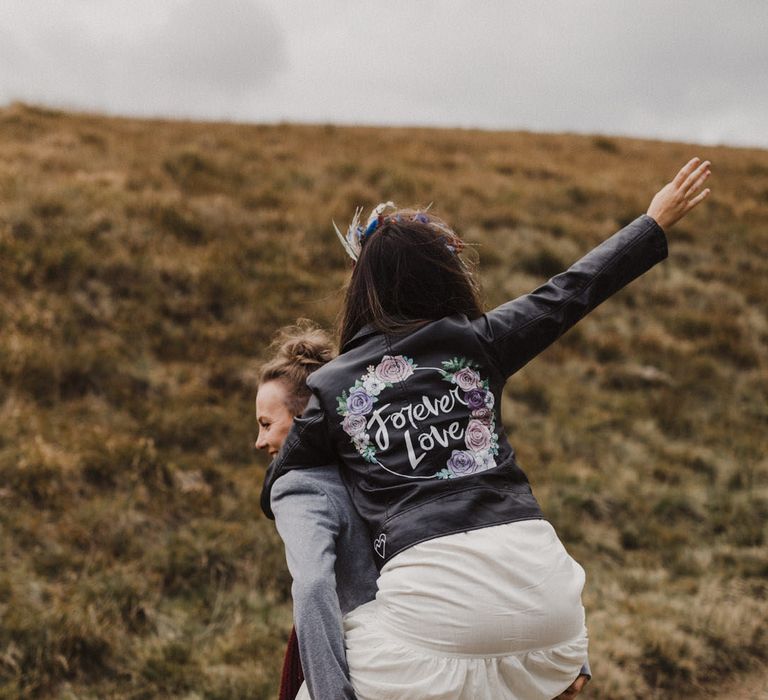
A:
x: 296, y: 351
x: 307, y: 348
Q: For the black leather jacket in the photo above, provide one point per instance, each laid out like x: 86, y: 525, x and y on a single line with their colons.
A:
x: 414, y: 420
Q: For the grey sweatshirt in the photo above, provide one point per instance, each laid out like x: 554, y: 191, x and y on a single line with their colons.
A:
x: 329, y: 555
x: 328, y: 550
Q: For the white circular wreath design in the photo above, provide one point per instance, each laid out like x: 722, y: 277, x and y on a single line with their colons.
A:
x: 480, y: 439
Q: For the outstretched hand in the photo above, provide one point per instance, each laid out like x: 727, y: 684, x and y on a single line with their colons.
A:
x: 673, y: 201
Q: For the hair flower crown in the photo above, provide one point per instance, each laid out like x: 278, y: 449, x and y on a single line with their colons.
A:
x: 358, y: 234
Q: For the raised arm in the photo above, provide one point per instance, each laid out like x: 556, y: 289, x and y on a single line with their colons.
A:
x: 309, y: 527
x: 520, y: 329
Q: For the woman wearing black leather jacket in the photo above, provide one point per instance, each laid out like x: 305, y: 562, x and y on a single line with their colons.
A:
x: 477, y: 597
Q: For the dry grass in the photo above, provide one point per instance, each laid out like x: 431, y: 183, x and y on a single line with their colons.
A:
x: 143, y: 267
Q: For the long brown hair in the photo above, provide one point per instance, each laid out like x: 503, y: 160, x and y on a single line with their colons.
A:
x: 297, y: 351
x: 408, y: 272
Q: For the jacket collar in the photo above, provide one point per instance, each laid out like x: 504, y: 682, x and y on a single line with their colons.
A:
x: 366, y: 330
x: 370, y: 329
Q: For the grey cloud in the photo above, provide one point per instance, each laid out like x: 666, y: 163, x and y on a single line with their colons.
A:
x: 689, y: 70
x: 231, y: 46
x: 651, y: 68
x: 202, y: 60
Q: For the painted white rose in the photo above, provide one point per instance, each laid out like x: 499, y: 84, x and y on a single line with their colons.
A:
x: 361, y: 441
x: 485, y: 460
x: 373, y: 385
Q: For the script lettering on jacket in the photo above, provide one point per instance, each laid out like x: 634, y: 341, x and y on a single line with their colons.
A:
x: 411, y: 415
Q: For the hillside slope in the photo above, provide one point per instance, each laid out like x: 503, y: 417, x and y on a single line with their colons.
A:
x: 144, y: 266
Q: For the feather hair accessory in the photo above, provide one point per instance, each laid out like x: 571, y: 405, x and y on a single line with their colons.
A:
x: 357, y: 234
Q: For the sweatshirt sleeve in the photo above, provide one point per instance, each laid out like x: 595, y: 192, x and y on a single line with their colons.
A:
x: 520, y: 329
x: 309, y: 527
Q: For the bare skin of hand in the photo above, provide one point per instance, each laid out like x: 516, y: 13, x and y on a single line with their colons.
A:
x: 574, y: 688
x: 673, y: 201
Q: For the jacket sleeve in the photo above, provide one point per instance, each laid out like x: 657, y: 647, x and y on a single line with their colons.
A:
x: 308, y: 444
x: 309, y: 527
x: 520, y: 329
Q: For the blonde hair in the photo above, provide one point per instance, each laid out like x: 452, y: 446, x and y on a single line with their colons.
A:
x: 297, y: 351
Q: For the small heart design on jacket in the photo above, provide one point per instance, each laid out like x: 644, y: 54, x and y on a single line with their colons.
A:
x: 379, y: 544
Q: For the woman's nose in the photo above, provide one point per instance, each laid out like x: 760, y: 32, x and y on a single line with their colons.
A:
x: 260, y: 443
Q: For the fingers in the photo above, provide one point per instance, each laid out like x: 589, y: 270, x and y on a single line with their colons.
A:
x: 698, y: 198
x: 685, y: 171
x: 677, y: 198
x: 695, y: 179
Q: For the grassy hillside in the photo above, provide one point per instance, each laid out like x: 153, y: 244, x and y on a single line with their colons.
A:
x: 144, y: 266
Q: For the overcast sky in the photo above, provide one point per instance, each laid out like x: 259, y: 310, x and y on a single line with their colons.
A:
x: 672, y: 69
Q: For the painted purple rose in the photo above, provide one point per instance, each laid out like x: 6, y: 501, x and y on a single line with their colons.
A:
x: 477, y: 437
x: 354, y: 424
x: 393, y: 369
x: 462, y: 462
x: 359, y: 402
x: 475, y: 398
x: 467, y: 378
x: 484, y: 415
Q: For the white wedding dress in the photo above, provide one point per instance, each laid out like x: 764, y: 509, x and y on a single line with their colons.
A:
x: 490, y: 614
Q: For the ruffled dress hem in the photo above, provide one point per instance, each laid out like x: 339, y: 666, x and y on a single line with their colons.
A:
x: 383, y: 667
